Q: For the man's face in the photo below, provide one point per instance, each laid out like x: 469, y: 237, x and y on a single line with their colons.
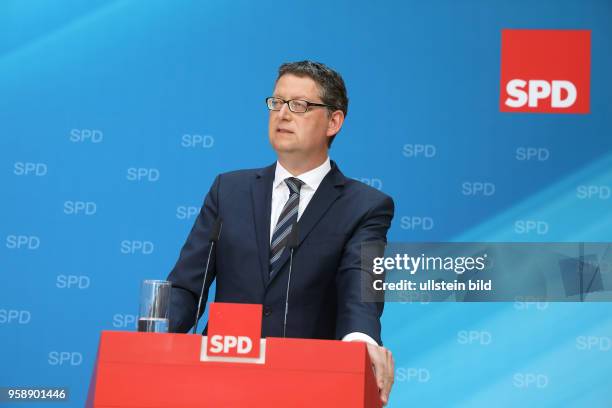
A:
x: 304, y: 134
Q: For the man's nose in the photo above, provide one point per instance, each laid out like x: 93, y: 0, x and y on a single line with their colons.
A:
x: 285, y: 113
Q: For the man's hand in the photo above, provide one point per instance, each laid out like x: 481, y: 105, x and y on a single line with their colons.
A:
x: 384, y: 369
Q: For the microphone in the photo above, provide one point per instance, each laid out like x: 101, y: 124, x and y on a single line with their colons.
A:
x: 215, y: 233
x: 292, y: 243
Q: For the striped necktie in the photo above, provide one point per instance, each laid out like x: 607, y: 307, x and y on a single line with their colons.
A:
x: 286, y: 219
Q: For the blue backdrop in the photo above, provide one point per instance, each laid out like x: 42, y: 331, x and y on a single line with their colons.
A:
x: 115, y: 116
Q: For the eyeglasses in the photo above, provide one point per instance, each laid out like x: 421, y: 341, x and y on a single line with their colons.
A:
x: 295, y: 105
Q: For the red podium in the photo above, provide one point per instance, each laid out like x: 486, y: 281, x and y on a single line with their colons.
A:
x: 173, y: 370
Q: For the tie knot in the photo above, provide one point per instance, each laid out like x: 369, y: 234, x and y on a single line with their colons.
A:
x: 294, y: 185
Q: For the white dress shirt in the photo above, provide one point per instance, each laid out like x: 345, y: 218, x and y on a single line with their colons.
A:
x: 280, y: 194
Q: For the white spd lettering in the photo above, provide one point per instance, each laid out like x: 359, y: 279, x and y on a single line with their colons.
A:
x: 223, y: 344
x: 562, y: 94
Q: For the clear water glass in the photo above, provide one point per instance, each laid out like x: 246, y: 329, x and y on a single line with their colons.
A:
x: 154, y: 306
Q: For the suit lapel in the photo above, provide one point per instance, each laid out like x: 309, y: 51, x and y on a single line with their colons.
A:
x: 262, y: 201
x: 329, y: 190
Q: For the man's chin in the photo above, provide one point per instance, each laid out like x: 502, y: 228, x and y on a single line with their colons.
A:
x: 284, y: 146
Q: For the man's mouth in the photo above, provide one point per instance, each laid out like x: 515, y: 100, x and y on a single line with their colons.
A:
x: 286, y: 131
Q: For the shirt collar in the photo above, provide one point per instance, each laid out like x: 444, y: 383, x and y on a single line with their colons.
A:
x: 311, y: 178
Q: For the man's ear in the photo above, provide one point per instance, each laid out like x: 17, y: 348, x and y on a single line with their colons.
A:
x: 336, y: 119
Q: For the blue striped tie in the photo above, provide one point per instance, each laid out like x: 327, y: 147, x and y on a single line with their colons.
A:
x: 287, y: 218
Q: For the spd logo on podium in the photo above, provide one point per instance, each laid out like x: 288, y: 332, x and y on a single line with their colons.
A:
x: 234, y: 334
x: 545, y: 71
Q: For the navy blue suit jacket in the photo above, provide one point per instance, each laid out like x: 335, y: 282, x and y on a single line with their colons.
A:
x: 325, y: 295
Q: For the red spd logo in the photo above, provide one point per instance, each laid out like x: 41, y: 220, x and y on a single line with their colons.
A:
x: 545, y: 71
x: 234, y: 332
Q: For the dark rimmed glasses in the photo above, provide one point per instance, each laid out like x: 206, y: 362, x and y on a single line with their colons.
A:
x: 295, y: 105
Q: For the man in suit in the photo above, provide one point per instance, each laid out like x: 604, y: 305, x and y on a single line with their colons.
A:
x: 259, y: 209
